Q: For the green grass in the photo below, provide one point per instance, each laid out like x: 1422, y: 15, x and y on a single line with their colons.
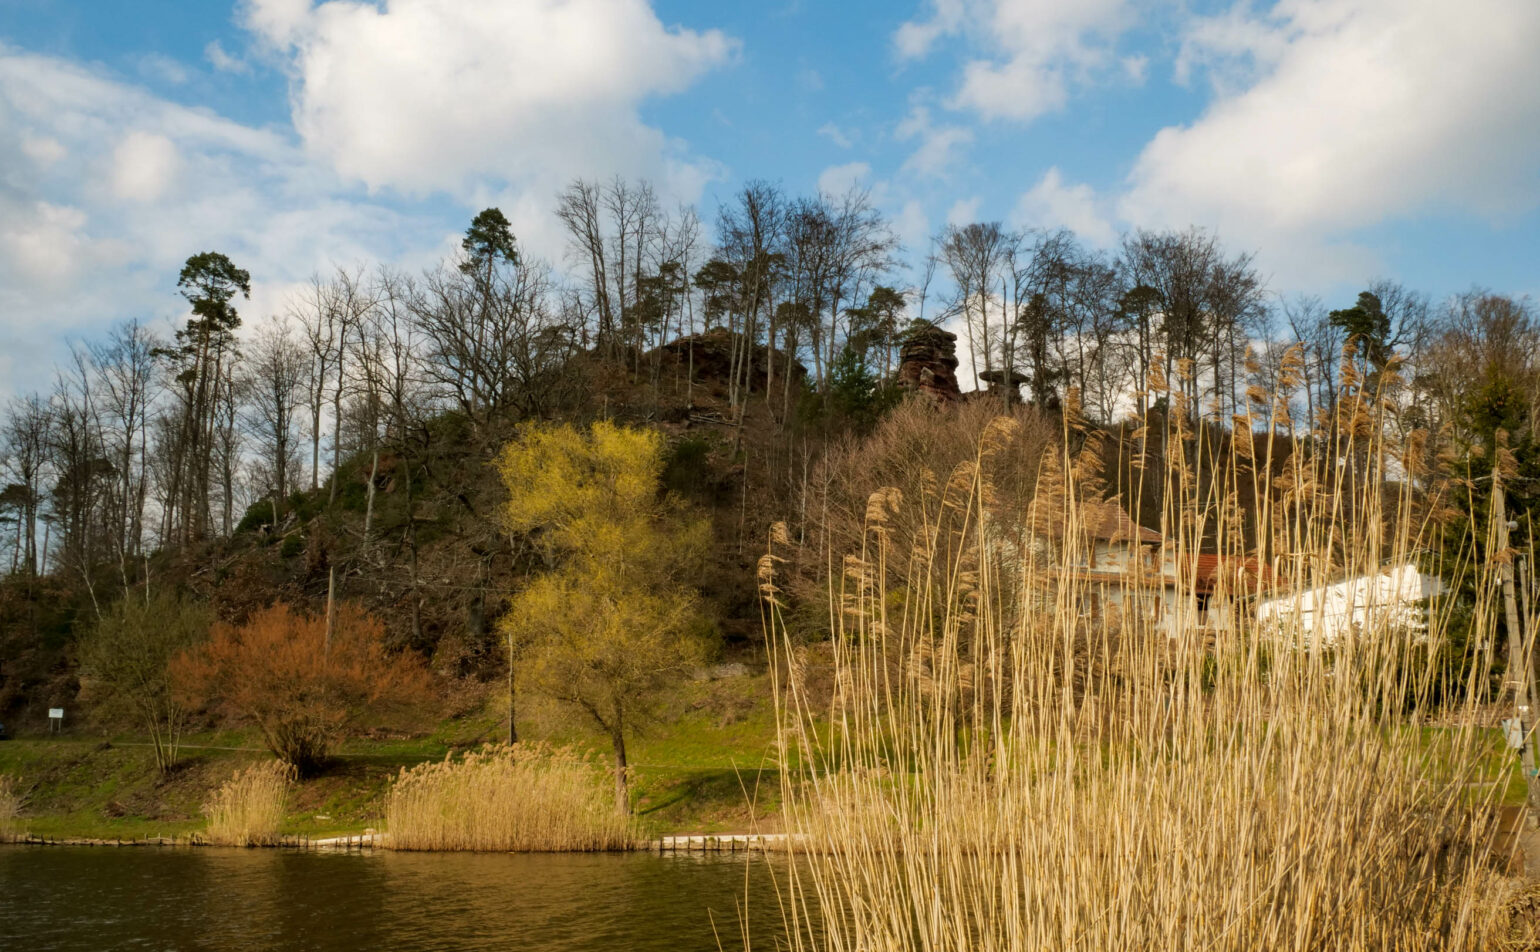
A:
x: 702, y: 766
x: 691, y: 767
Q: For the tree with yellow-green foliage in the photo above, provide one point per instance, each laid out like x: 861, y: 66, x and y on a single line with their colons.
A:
x: 615, y: 619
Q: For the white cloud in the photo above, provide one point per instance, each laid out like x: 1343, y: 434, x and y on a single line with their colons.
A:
x: 105, y: 189
x: 1053, y: 204
x: 839, y: 179
x: 915, y: 38
x: 143, y: 165
x: 1229, y: 47
x: 964, y: 211
x: 835, y: 135
x: 427, y: 95
x: 912, y: 225
x: 223, y: 61
x: 1035, y: 51
x: 939, y: 145
x: 1334, y: 115
x: 278, y: 22
x: 1136, y: 68
x: 44, y: 150
x: 42, y: 242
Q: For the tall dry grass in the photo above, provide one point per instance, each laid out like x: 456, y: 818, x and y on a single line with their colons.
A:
x: 1011, y: 761
x: 248, y: 809
x: 526, y: 798
x: 10, y: 806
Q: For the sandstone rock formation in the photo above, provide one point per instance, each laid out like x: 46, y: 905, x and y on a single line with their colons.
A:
x: 927, y: 363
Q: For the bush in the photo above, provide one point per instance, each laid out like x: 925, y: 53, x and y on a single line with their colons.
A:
x: 522, y: 798
x: 303, y: 689
x: 124, y: 667
x: 291, y: 546
x: 248, y: 808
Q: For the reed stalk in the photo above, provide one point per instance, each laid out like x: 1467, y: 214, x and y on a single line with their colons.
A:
x: 1021, y: 753
x: 523, y: 797
x: 10, y: 807
x: 248, y: 809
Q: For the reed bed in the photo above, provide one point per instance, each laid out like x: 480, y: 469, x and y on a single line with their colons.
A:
x: 1020, y: 753
x: 522, y: 798
x: 248, y: 809
x: 10, y: 806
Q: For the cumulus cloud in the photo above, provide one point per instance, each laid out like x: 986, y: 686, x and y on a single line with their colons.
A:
x: 1052, y: 203
x: 1334, y: 115
x: 429, y: 95
x: 105, y: 189
x: 939, y: 144
x: 1033, y: 51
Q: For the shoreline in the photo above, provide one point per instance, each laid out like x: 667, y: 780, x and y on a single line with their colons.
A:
x: 369, y: 840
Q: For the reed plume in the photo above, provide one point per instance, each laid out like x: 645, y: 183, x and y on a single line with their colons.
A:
x: 525, y: 798
x: 1033, y: 749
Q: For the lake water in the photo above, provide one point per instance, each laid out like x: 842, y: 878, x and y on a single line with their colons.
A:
x: 67, y: 898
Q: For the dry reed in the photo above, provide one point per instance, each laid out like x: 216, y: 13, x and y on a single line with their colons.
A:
x: 527, y: 798
x: 248, y: 809
x: 1021, y: 753
x: 10, y: 807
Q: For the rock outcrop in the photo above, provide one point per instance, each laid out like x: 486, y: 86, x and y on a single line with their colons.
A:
x: 927, y: 363
x: 1004, y: 387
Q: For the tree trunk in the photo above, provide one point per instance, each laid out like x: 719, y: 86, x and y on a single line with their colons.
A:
x: 622, y: 794
x: 374, y: 471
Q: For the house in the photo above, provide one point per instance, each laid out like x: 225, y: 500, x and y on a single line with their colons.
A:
x: 1326, y: 614
x: 1131, y: 570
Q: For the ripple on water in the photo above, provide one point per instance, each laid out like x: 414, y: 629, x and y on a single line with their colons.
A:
x: 68, y: 898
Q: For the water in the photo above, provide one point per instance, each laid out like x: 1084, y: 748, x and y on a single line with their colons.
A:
x: 67, y: 898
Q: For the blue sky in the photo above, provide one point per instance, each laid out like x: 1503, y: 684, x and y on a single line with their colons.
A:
x: 1338, y: 140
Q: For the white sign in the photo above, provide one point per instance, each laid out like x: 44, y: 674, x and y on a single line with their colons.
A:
x: 1513, y: 731
x: 57, y: 713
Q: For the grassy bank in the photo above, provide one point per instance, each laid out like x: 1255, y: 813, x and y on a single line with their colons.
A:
x: 691, y: 770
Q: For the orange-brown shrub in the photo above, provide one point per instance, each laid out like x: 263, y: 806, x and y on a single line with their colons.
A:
x: 279, y: 672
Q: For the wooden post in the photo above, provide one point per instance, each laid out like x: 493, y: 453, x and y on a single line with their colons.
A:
x: 1518, y: 658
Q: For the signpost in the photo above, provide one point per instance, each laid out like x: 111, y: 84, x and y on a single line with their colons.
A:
x: 56, y: 720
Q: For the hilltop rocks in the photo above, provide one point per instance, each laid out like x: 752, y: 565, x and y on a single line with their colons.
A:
x: 711, y: 354
x: 1004, y: 386
x: 927, y: 364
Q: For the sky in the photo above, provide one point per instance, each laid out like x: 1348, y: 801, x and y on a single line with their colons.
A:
x: 1339, y: 141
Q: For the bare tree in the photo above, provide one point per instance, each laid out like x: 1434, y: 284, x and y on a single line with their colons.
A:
x: 492, y: 340
x: 979, y: 258
x: 26, y: 436
x: 275, y: 375
x: 82, y: 474
x: 316, y: 312
x: 1198, y: 299
x: 749, y: 235
x: 124, y: 365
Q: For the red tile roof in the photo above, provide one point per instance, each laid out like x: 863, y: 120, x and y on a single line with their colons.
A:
x: 1240, y: 574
